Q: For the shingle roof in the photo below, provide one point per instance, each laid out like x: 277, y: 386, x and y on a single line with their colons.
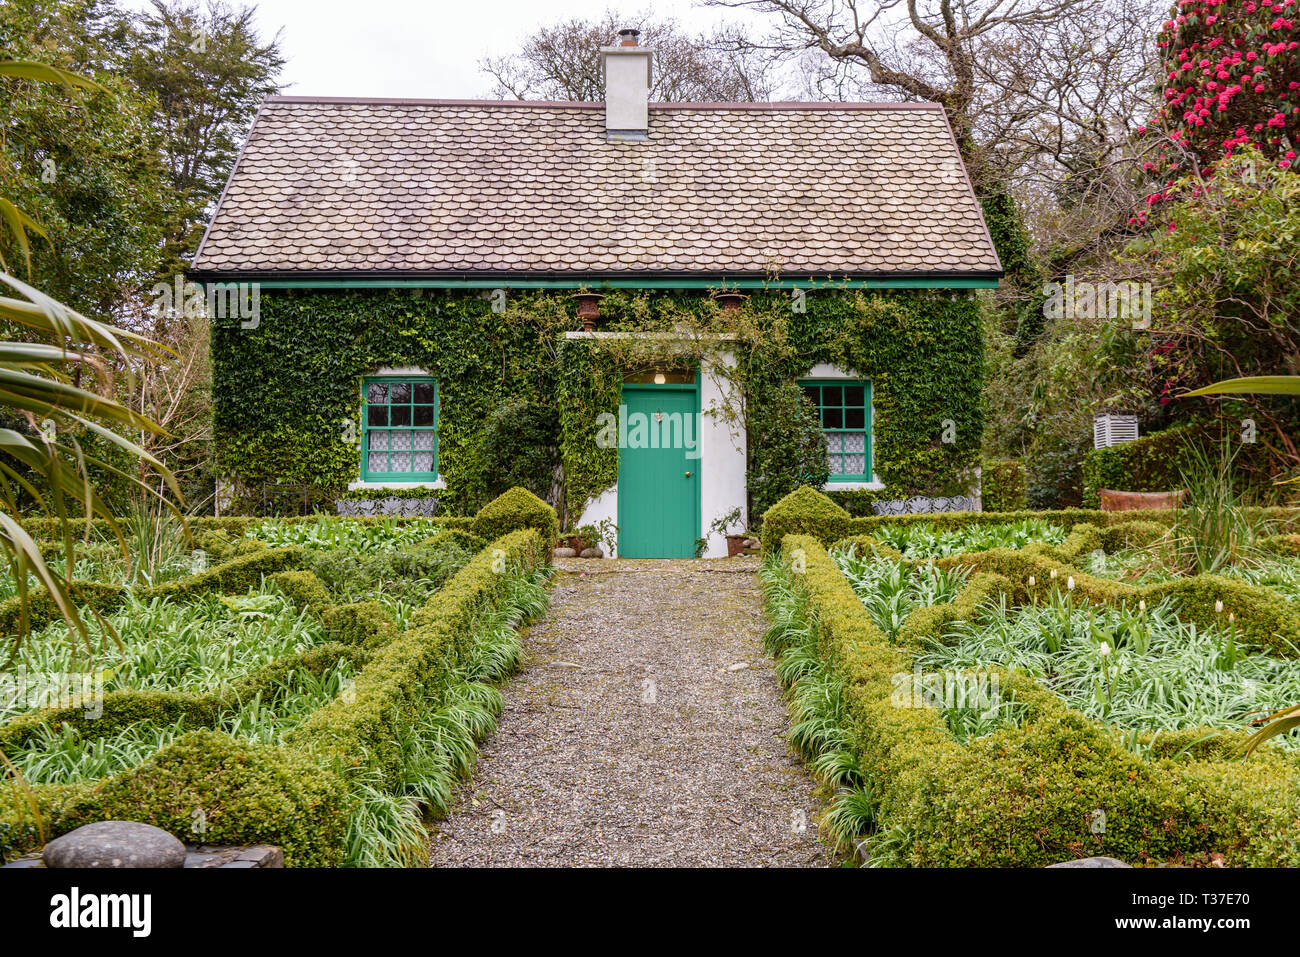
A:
x: 349, y: 187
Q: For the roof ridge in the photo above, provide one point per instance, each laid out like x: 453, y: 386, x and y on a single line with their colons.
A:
x: 817, y: 105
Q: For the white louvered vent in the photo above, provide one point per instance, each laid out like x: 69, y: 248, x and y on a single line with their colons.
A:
x: 1111, y: 429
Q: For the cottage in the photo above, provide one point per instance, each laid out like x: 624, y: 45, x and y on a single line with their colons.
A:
x: 656, y: 273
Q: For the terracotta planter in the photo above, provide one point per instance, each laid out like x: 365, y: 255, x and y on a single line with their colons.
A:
x: 576, y: 542
x: 1113, y: 501
x: 736, y: 545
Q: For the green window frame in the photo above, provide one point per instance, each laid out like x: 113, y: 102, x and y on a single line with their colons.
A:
x: 844, y: 406
x: 399, y: 441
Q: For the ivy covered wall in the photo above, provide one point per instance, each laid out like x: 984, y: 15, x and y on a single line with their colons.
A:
x: 287, y: 396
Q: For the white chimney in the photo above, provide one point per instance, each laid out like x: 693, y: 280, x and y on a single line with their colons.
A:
x: 626, y: 68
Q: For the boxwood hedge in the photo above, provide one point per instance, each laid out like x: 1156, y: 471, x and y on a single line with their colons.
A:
x: 211, y: 788
x: 1029, y: 795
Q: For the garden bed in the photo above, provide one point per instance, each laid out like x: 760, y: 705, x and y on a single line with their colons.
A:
x: 319, y: 687
x: 958, y: 695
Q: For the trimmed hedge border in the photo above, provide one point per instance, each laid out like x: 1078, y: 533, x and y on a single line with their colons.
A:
x: 806, y: 511
x: 235, y: 576
x: 49, y: 530
x: 1027, y: 796
x: 297, y: 795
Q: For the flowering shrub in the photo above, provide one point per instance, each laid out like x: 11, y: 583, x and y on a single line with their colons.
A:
x: 1232, y: 78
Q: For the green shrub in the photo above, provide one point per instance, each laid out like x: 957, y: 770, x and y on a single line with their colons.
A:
x: 364, y: 623
x: 302, y: 588
x: 786, y: 443
x: 1156, y: 463
x: 209, y: 786
x: 515, y: 509
x: 457, y: 536
x: 521, y: 447
x: 804, y: 511
x: 1002, y: 483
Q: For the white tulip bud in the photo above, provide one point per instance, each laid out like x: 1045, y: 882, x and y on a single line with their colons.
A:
x: 1069, y: 583
x: 1105, y: 649
x: 1218, y: 608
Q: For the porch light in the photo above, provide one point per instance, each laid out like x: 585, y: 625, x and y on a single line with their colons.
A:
x: 660, y: 378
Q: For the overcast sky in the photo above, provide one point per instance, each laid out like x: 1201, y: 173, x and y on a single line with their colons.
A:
x: 421, y: 48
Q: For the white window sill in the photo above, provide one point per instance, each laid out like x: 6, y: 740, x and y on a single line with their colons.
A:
x: 397, y: 486
x: 875, y: 485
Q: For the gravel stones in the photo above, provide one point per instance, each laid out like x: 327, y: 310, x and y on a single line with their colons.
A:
x: 657, y: 750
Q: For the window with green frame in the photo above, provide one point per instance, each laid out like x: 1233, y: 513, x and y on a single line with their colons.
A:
x: 401, y: 429
x: 845, y: 409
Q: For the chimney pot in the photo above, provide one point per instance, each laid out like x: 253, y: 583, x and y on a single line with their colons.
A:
x: 628, y: 38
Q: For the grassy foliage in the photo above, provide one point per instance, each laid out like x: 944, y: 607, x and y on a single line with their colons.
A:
x: 892, y: 590
x: 1022, y: 786
x: 922, y: 540
x: 325, y: 532
x: 1135, y: 670
x: 170, y: 645
x: 249, y: 696
x: 68, y: 753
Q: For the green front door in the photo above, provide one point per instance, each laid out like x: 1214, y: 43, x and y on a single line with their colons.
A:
x: 658, y: 472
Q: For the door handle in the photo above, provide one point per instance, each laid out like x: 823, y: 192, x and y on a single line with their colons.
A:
x: 688, y: 474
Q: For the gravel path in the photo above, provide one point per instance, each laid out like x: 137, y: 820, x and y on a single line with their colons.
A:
x: 646, y: 729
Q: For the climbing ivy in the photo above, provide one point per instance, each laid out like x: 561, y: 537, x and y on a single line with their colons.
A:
x: 287, y: 393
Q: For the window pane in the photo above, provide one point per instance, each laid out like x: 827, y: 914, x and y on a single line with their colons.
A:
x: 424, y: 415
x: 399, y: 462
x: 378, y: 440
x: 401, y: 415
x: 424, y: 392
x: 832, y: 395
x: 855, y: 395
x: 855, y: 419
x: 814, y: 394
x: 400, y: 392
x: 400, y: 440
x: 855, y: 465
x: 832, y: 418
x: 424, y: 461
x: 834, y: 462
x: 855, y: 443
x: 424, y: 440
x: 377, y: 393
x: 377, y: 415
x: 377, y: 462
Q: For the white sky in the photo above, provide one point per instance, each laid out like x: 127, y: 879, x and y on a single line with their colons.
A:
x: 421, y: 49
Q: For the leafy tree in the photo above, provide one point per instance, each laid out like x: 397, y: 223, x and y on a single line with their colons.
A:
x: 208, y: 71
x: 521, y: 446
x: 87, y: 167
x: 1229, y: 303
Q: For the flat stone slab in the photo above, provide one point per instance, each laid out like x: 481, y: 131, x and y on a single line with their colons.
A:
x: 1092, y: 862
x: 115, y: 844
x: 236, y: 856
